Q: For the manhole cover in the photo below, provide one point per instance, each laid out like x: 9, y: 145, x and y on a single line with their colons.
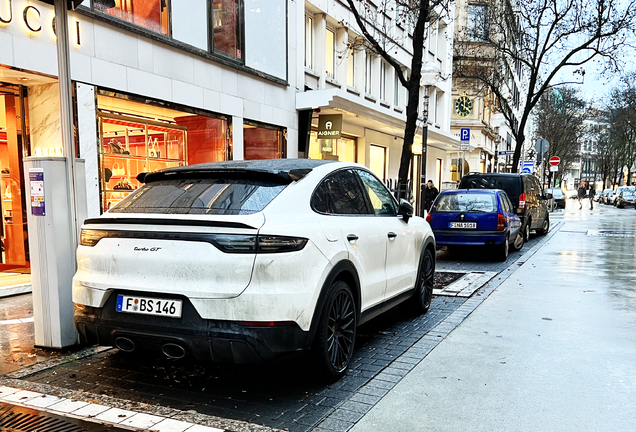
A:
x: 19, y: 419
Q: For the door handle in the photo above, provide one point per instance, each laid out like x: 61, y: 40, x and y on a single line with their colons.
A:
x: 392, y: 235
x: 352, y: 237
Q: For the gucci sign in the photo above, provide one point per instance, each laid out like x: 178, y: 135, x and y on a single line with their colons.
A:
x: 32, y: 20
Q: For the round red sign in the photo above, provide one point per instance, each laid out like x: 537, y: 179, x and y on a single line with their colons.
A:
x: 554, y: 160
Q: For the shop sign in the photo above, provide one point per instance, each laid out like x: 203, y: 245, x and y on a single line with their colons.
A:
x: 329, y: 126
x: 31, y: 20
x: 36, y: 180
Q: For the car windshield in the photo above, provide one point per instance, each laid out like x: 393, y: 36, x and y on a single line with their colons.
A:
x: 201, y: 196
x: 465, y: 202
x: 556, y: 193
x: 629, y: 193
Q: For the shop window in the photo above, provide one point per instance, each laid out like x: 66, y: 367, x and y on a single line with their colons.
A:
x: 330, y: 53
x: 227, y: 27
x: 262, y: 141
x: 377, y: 160
x: 351, y: 68
x: 149, y: 14
x: 136, y: 138
x: 343, y: 149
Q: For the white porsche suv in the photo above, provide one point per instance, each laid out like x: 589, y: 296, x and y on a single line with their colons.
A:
x: 249, y: 261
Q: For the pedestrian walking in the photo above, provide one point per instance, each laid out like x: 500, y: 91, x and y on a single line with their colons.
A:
x: 581, y: 195
x: 430, y: 193
x: 592, y: 194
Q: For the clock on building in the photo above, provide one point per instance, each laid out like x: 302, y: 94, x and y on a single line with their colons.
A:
x: 463, y: 106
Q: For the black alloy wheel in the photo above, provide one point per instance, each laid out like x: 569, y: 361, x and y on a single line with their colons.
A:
x: 545, y: 227
x: 423, y: 295
x: 518, y: 243
x: 336, y: 333
x: 502, y: 251
x: 526, y: 231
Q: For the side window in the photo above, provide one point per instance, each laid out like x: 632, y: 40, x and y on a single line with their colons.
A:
x: 507, y: 205
x: 340, y: 193
x: 381, y: 199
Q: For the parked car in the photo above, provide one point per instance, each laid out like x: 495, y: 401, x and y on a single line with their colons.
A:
x: 603, y: 195
x: 558, y: 195
x: 248, y: 261
x: 609, y: 198
x: 572, y: 193
x: 626, y: 198
x: 476, y: 217
x: 617, y: 193
x: 525, y: 193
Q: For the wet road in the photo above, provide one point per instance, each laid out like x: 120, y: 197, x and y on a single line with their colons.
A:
x: 552, y: 348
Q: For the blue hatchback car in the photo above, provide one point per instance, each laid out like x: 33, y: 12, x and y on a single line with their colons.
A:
x: 476, y: 217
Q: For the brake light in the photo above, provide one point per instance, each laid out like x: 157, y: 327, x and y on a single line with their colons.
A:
x: 231, y: 243
x: 428, y: 217
x: 501, y: 222
x: 522, y: 202
x: 89, y: 237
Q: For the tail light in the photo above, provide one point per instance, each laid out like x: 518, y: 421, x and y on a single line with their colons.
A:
x: 501, y: 222
x: 522, y: 203
x: 428, y: 217
x: 89, y: 237
x: 257, y: 244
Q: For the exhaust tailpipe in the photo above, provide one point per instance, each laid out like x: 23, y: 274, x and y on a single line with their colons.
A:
x: 125, y: 344
x: 172, y: 350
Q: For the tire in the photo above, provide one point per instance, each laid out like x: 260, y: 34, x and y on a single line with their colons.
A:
x: 502, y: 251
x: 526, y: 231
x: 545, y: 227
x: 518, y: 243
x: 423, y: 295
x: 336, y: 333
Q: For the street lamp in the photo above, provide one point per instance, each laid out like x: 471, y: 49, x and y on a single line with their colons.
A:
x: 497, y: 121
x: 430, y: 75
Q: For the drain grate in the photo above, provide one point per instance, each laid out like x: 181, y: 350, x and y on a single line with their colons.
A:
x: 19, y: 419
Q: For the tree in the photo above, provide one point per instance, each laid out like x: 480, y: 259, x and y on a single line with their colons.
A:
x: 559, y: 118
x: 370, y: 17
x: 622, y: 107
x: 522, y: 51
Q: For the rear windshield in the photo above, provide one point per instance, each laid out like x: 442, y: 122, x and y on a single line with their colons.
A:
x: 557, y: 193
x: 458, y: 202
x: 510, y: 184
x: 201, y: 196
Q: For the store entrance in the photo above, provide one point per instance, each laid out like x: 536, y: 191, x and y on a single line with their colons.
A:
x: 14, y: 256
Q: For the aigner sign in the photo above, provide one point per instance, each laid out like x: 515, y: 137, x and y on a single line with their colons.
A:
x: 329, y: 126
x: 32, y: 20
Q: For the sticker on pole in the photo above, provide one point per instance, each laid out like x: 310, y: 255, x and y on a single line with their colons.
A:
x: 36, y: 181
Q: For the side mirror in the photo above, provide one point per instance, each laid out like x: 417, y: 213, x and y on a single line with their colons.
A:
x: 547, y: 196
x: 405, y: 210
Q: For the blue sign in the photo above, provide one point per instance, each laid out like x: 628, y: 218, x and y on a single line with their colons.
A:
x: 526, y: 170
x: 464, y: 134
x: 36, y: 180
x: 506, y: 152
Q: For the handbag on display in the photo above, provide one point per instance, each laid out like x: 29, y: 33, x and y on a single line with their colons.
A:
x: 124, y: 184
x: 115, y: 147
x: 117, y: 170
x: 153, y: 148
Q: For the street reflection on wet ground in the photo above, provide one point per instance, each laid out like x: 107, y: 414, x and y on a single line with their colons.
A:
x: 16, y: 338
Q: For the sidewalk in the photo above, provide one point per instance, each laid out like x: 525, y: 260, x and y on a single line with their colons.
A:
x: 552, y: 349
x: 14, y: 283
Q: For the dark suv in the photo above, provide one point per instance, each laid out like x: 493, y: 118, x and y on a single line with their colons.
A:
x: 525, y: 193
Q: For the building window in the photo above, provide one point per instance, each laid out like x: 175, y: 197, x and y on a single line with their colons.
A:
x: 309, y: 42
x: 368, y: 66
x: 396, y: 89
x: 330, y: 53
x: 226, y: 22
x: 476, y: 25
x: 384, y: 68
x: 149, y: 14
x: 351, y: 68
x: 261, y: 141
x: 377, y: 161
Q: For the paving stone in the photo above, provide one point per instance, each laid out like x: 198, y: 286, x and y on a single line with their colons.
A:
x: 335, y: 425
x: 346, y: 415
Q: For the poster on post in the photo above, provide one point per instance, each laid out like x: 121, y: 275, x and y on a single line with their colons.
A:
x: 36, y: 181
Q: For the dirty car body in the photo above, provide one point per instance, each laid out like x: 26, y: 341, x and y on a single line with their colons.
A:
x: 249, y: 261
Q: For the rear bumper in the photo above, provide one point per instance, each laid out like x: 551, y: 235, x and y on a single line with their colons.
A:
x: 469, y: 238
x: 203, y: 339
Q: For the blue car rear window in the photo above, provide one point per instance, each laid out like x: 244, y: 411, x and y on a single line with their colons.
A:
x: 469, y: 202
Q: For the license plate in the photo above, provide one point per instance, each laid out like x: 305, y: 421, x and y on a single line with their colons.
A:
x: 465, y: 225
x: 149, y: 306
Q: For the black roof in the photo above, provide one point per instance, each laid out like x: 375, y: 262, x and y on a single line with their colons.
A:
x: 286, y: 170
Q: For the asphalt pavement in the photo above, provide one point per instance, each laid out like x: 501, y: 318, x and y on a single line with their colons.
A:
x: 553, y: 348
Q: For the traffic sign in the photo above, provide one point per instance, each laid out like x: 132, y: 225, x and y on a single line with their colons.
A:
x: 542, y: 146
x: 554, y: 168
x: 554, y: 161
x: 506, y: 152
x: 464, y: 134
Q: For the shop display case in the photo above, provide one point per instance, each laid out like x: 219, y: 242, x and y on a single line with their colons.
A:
x: 129, y: 146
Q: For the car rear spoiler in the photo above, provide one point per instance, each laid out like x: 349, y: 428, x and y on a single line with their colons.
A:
x: 282, y: 177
